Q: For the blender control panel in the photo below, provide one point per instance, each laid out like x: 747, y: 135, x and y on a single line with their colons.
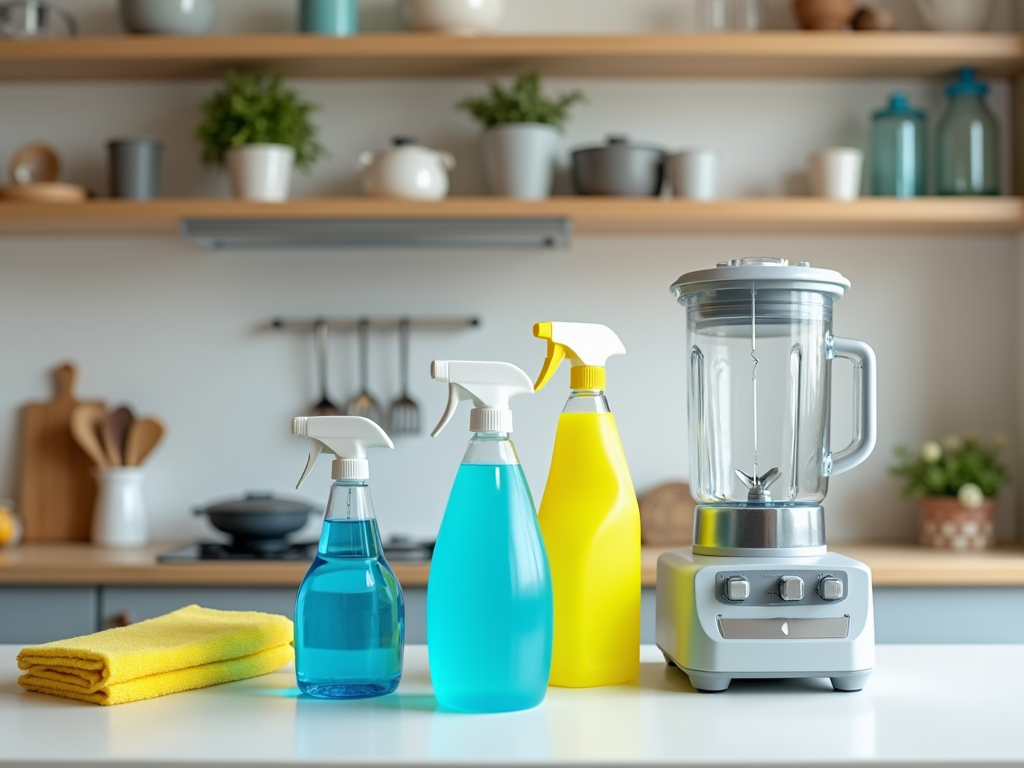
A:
x: 781, y: 587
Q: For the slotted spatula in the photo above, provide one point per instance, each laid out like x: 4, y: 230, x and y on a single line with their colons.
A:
x: 404, y: 418
x: 363, y: 404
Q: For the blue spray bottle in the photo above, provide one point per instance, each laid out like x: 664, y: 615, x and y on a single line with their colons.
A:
x: 349, y: 613
x: 490, y: 610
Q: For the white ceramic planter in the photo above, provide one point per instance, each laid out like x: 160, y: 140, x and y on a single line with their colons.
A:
x: 836, y: 173
x: 519, y: 159
x: 694, y: 174
x: 261, y: 172
x: 408, y: 171
x: 956, y: 15
x: 457, y: 17
x: 119, y: 519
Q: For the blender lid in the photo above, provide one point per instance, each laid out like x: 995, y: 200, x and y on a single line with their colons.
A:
x: 739, y: 273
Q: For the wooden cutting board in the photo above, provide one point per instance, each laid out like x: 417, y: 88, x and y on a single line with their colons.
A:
x: 57, y: 488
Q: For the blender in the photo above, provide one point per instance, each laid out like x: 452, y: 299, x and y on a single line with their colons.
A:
x: 758, y: 595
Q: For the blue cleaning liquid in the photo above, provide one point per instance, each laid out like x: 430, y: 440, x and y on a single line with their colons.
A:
x: 349, y: 617
x: 490, y: 609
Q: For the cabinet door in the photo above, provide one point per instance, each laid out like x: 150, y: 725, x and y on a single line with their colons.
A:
x: 32, y: 615
x: 949, y: 614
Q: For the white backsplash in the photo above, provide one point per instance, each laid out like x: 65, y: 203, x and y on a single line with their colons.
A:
x: 181, y: 332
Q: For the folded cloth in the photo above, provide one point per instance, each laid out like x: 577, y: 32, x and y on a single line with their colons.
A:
x: 189, y: 648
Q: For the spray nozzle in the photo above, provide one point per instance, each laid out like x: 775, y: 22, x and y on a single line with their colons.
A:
x: 587, y: 345
x: 347, y: 437
x: 488, y: 384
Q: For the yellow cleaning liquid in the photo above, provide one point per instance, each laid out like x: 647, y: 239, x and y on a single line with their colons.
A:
x: 591, y: 526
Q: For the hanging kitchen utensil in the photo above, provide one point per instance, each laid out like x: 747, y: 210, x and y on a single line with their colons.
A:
x: 35, y: 18
x: 114, y: 434
x: 143, y: 436
x: 363, y: 404
x: 404, y: 418
x: 325, y: 407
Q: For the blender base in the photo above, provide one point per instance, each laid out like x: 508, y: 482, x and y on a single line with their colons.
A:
x: 717, y: 682
x: 759, y: 634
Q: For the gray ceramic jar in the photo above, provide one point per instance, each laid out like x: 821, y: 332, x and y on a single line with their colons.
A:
x: 168, y: 17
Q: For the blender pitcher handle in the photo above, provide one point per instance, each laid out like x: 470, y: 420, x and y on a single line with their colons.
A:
x: 865, y: 416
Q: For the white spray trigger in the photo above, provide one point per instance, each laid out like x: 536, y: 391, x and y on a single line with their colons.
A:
x: 347, y: 437
x: 489, y: 384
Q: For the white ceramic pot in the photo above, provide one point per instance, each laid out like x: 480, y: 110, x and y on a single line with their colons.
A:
x: 119, y: 519
x: 457, y: 17
x: 694, y: 174
x: 956, y: 15
x: 261, y: 172
x: 519, y: 159
x: 836, y: 173
x: 168, y: 17
x: 407, y: 170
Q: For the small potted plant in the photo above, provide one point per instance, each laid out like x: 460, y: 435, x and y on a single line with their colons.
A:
x: 261, y: 130
x: 955, y: 483
x: 521, y: 132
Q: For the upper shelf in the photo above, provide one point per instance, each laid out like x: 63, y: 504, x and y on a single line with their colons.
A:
x: 761, y: 54
x: 589, y: 215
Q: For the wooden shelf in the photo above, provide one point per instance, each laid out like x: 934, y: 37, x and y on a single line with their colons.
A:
x: 590, y: 215
x: 892, y: 565
x: 764, y: 54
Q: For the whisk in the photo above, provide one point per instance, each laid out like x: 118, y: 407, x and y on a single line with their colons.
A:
x: 404, y: 417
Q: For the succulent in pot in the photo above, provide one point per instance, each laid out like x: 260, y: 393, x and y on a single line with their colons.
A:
x: 956, y: 483
x: 521, y: 135
x: 458, y: 17
x: 261, y: 130
x: 408, y: 170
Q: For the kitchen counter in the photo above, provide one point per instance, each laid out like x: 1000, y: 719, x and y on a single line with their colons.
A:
x: 925, y: 705
x: 82, y: 564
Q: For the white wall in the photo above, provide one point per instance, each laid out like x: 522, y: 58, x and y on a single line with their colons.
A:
x: 180, y: 332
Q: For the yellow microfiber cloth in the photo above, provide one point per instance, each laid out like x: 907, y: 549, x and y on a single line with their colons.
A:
x: 189, y: 648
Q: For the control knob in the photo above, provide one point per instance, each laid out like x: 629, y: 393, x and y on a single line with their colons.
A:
x: 791, y: 588
x: 830, y: 588
x: 737, y: 589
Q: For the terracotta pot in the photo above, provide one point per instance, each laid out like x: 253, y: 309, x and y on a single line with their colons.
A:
x: 947, y: 524
x: 824, y: 14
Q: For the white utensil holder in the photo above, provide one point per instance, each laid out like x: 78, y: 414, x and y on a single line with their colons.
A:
x: 119, y: 519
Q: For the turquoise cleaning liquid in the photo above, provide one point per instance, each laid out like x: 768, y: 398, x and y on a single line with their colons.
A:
x: 489, y: 602
x: 349, y: 616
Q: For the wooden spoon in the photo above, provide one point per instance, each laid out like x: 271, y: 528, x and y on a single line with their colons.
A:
x: 114, y: 432
x: 85, y: 421
x: 142, y: 438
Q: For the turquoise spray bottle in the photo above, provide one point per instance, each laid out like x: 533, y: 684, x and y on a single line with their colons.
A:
x: 490, y: 611
x: 349, y: 613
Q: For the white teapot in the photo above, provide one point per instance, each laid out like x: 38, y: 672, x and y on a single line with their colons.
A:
x: 407, y: 170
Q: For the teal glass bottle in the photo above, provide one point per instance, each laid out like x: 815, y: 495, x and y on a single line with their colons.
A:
x: 490, y: 607
x: 349, y: 613
x: 898, y: 157
x: 967, y: 141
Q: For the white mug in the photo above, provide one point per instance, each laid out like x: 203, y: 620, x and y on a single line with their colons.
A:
x: 119, y: 519
x: 694, y: 174
x: 836, y: 173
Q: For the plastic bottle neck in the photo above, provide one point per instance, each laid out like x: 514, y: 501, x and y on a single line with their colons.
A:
x: 350, y: 529
x: 349, y: 500
x: 587, y: 401
x: 490, y: 448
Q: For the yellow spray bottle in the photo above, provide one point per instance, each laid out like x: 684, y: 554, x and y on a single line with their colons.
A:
x: 589, y: 519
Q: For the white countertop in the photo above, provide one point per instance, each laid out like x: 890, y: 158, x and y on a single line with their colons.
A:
x: 954, y: 705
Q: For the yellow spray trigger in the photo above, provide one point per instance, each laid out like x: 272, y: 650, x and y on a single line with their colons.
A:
x: 556, y: 354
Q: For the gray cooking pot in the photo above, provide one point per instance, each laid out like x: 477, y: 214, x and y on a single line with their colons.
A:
x: 618, y: 168
x: 259, y: 521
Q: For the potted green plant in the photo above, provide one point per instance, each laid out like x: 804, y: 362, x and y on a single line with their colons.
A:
x: 956, y: 483
x: 261, y: 130
x: 521, y: 132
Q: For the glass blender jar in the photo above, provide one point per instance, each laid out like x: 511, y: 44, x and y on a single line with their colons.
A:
x: 758, y: 595
x: 760, y: 370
